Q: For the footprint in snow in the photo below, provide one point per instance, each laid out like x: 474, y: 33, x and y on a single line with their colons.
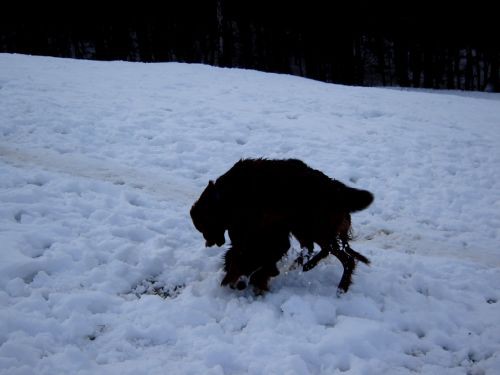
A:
x: 155, y: 287
x: 241, y: 141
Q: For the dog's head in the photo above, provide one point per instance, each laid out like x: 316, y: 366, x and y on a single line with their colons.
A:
x: 206, y: 214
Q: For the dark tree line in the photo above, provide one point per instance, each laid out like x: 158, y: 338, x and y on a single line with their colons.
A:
x: 355, y: 46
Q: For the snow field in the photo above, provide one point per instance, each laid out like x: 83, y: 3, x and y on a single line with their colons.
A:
x: 101, y: 270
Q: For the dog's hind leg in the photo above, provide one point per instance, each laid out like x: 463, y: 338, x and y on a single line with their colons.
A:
x: 349, y: 265
x: 313, y: 262
x: 343, y: 237
x: 355, y: 254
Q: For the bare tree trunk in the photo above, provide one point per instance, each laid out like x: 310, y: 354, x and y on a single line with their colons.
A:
x: 219, y: 44
x: 469, y: 70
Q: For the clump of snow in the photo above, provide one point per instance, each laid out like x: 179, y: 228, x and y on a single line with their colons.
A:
x: 101, y: 270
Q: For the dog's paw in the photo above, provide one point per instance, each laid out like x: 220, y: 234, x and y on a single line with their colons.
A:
x: 340, y: 292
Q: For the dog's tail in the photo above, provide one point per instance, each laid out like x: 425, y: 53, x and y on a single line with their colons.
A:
x: 356, y: 199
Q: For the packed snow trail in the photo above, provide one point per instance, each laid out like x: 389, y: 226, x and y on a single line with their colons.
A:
x: 103, y: 170
x: 102, y: 271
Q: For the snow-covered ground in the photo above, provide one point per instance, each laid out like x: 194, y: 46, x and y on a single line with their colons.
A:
x: 102, y: 272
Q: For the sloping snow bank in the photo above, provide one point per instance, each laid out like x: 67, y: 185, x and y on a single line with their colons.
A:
x: 101, y: 270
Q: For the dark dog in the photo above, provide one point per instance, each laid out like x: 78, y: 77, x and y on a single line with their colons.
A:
x: 261, y: 202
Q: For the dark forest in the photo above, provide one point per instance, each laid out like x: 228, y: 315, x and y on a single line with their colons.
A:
x: 355, y: 46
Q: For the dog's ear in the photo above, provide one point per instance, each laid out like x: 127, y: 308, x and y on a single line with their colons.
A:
x: 213, y: 194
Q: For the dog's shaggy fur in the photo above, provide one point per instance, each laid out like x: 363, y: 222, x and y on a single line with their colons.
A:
x: 260, y: 202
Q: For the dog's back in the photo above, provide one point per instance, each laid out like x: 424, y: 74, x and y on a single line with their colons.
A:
x: 287, y: 187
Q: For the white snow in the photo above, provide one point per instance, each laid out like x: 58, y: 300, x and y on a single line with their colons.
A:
x: 102, y: 271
